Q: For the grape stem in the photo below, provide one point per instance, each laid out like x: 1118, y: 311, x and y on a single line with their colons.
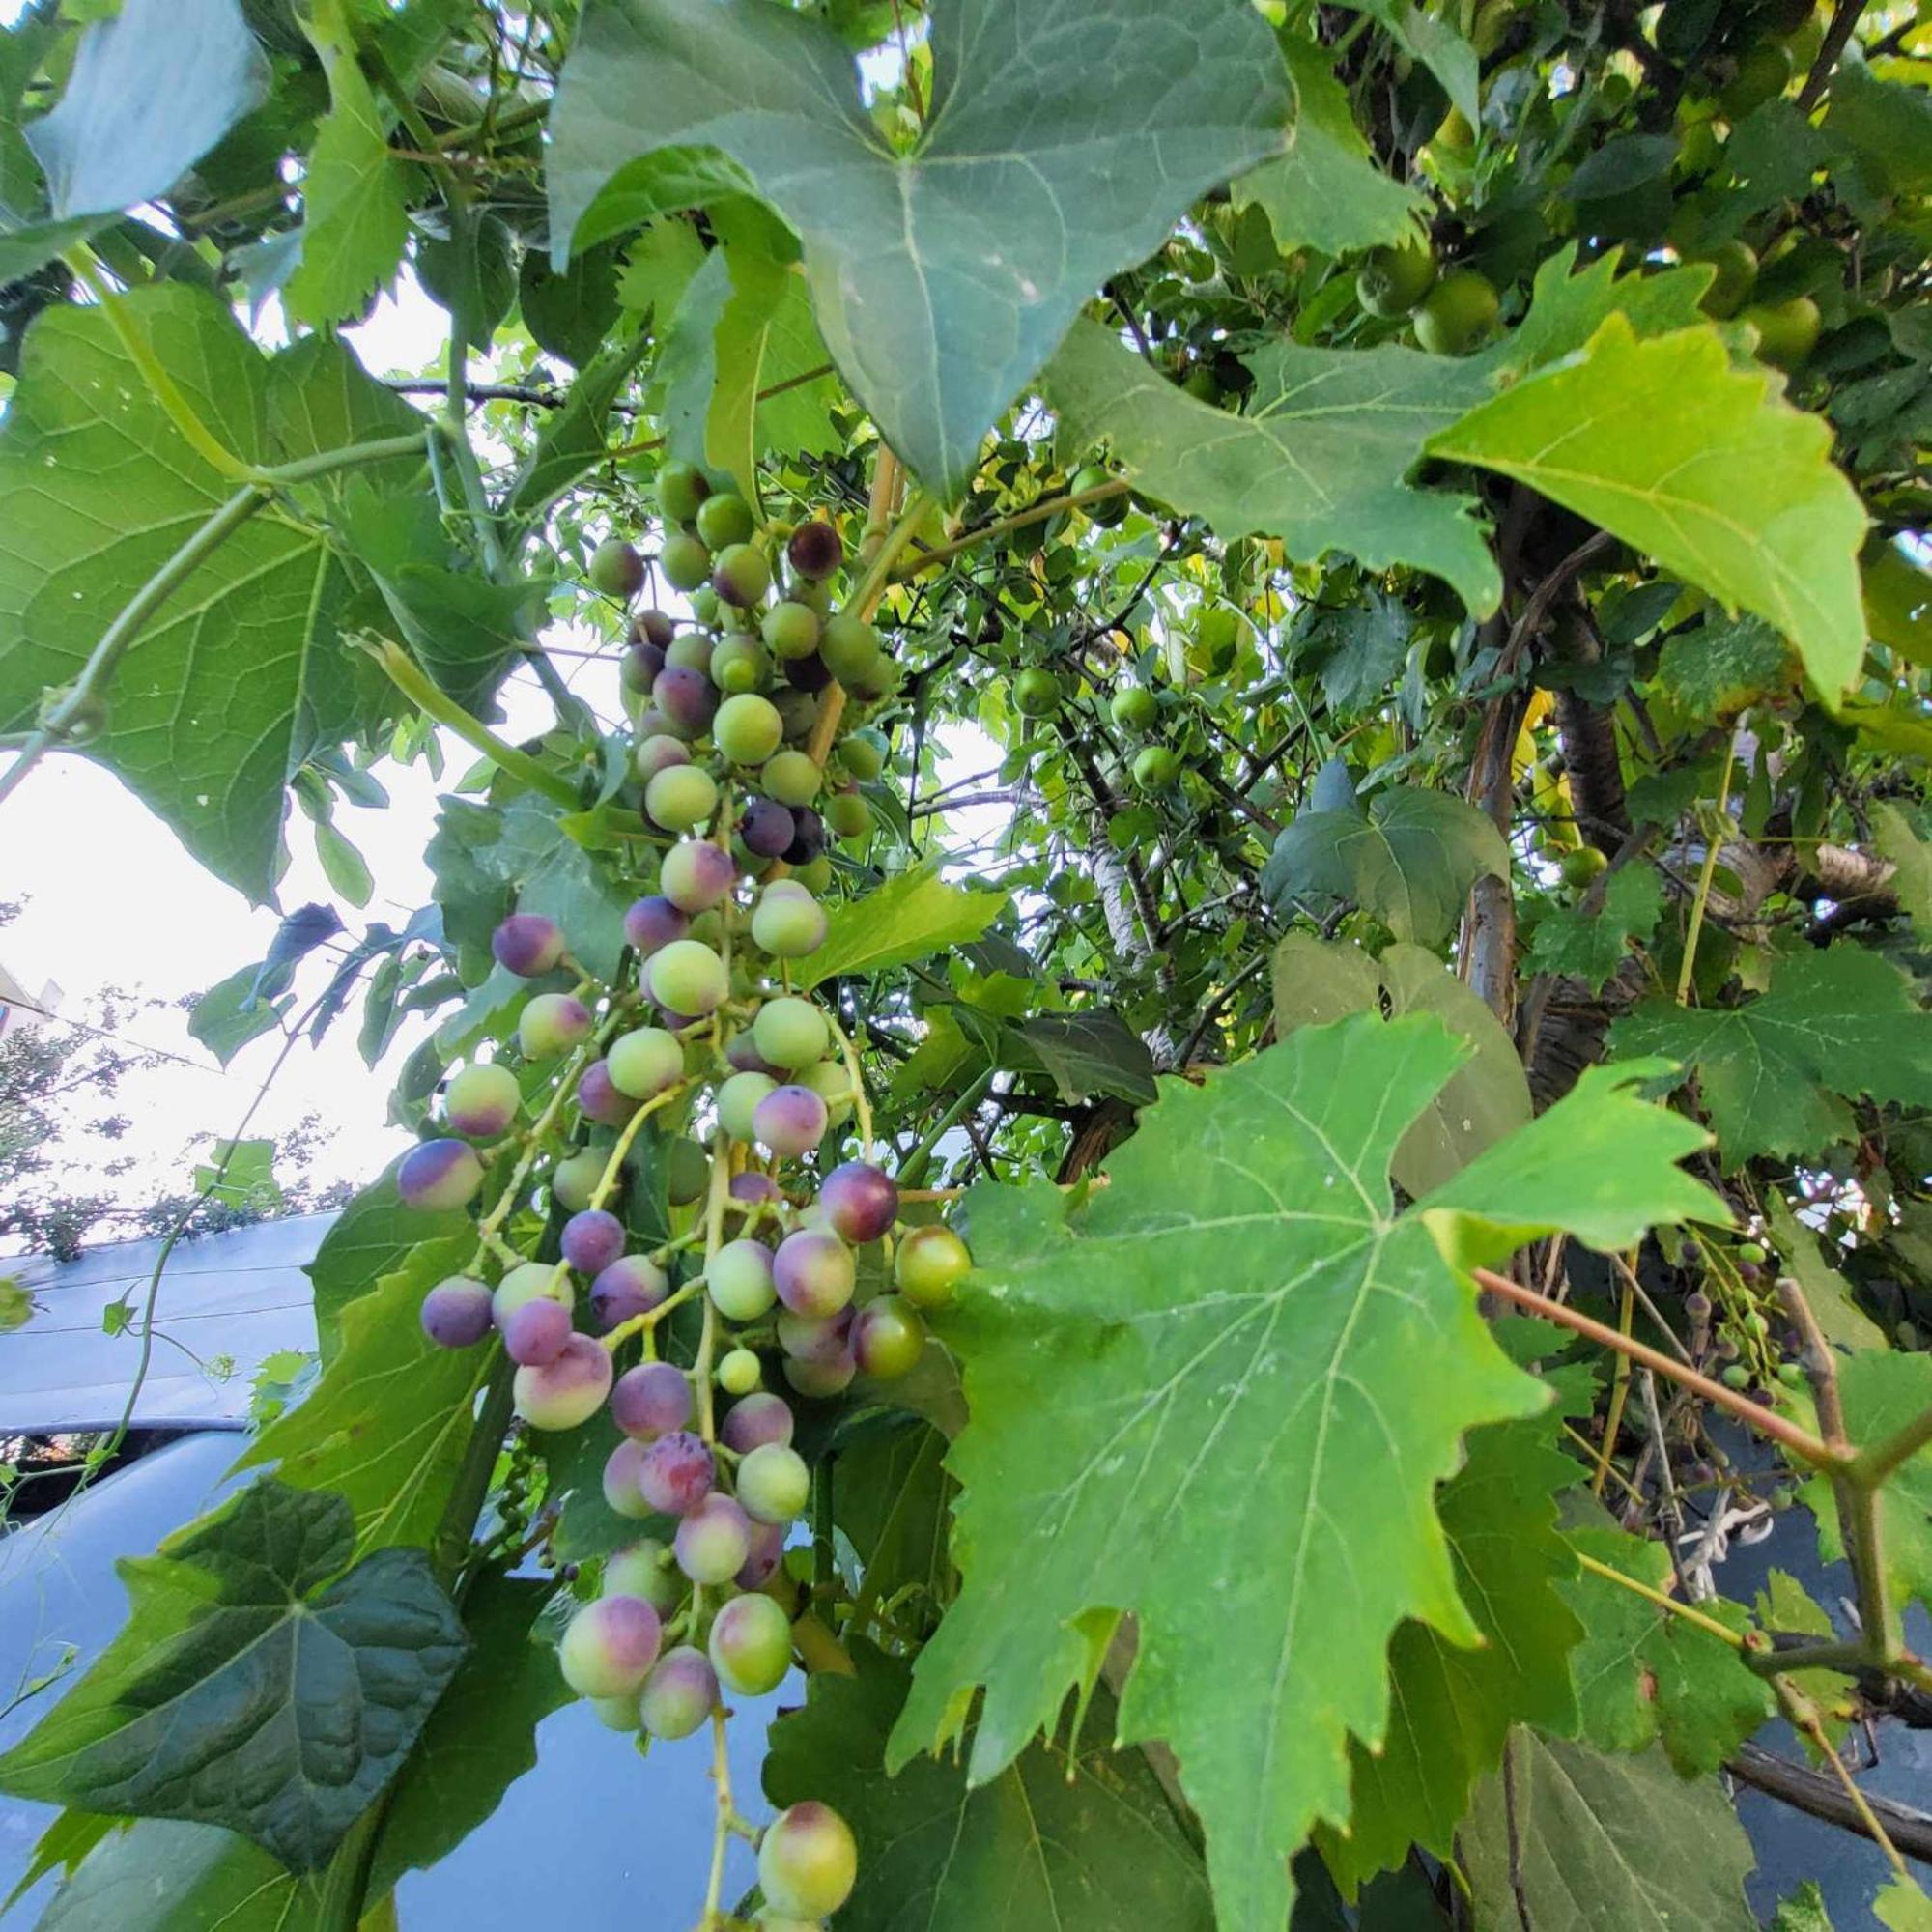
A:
x: 1033, y: 514
x: 860, y: 1105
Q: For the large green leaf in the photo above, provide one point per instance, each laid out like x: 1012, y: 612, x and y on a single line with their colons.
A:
x: 237, y: 676
x: 1450, y: 1709
x: 249, y: 1690
x: 1259, y: 1373
x: 1827, y: 1292
x: 163, y: 1875
x: 1775, y: 1073
x: 385, y: 1427
x: 910, y: 917
x: 1705, y: 467
x: 1319, y: 459
x: 1590, y: 1843
x: 372, y: 1236
x: 1066, y: 137
x: 1082, y: 1840
x: 1410, y: 859
x: 1590, y: 945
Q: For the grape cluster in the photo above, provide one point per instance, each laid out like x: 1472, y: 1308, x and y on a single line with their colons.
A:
x: 749, y: 1081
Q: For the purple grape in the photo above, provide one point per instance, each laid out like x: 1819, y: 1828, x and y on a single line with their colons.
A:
x: 620, y: 1481
x: 653, y: 1399
x: 676, y: 1472
x: 679, y: 1694
x: 632, y: 1285
x: 767, y: 1552
x: 756, y: 1189
x: 653, y: 627
x: 790, y: 1121
x: 609, y: 1647
x: 437, y: 1176
x: 456, y: 1313
x: 745, y: 1058
x: 639, y: 666
x: 713, y: 1541
x: 687, y: 697
x: 600, y: 1098
x: 535, y: 1333
x: 767, y: 828
x: 756, y: 1420
x: 816, y: 1338
x: 592, y: 1241
x: 822, y: 1379
x: 859, y: 1201
x: 528, y: 944
x: 807, y: 674
x: 481, y: 1101
x: 561, y: 1393
x: 654, y: 921
x: 807, y: 836
x: 815, y: 550
x: 696, y: 875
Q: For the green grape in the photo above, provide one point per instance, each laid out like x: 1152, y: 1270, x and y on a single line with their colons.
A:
x: 680, y: 796
x: 808, y: 1860
x: 739, y: 665
x: 687, y: 1172
x: 737, y: 1099
x: 738, y: 1278
x: 681, y: 490
x: 688, y: 977
x: 725, y: 519
x: 616, y: 570
x: 739, y: 1372
x: 684, y: 561
x: 862, y: 755
x: 833, y: 1085
x: 887, y: 1339
x: 572, y: 1179
x: 791, y: 1031
x: 772, y: 1484
x: 848, y: 814
x: 642, y: 1063
x: 791, y: 778
x: 1459, y: 314
x: 748, y: 730
x: 928, y: 1265
x: 751, y: 1645
x: 791, y: 629
x: 741, y: 575
x: 1036, y: 691
x: 790, y: 925
x: 1155, y: 767
x: 1134, y: 708
x: 816, y: 876
x: 850, y: 648
x: 1393, y: 280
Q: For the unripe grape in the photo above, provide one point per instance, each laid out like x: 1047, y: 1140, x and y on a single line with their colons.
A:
x: 791, y: 1031
x: 860, y: 1201
x: 741, y: 575
x: 616, y: 570
x: 772, y: 1484
x: 928, y: 1264
x: 1734, y: 266
x: 1134, y: 708
x: 767, y: 1552
x: 654, y: 923
x: 821, y: 1380
x: 814, y: 875
x: 530, y: 1281
x: 571, y: 1389
x: 1393, y: 280
x: 1737, y: 1376
x: 536, y: 1332
x: 616, y: 1714
x: 808, y: 1860
x: 888, y: 1338
x: 739, y: 1372
x: 682, y: 487
x: 751, y: 1645
x: 481, y: 1101
x: 678, y: 1695
x: 1787, y: 331
x: 807, y: 836
x: 790, y: 1122
x: 1458, y: 314
x: 815, y: 1338
x: 697, y: 875
x: 740, y: 667
x: 738, y: 1099
x: 632, y: 1285
x: 791, y: 629
x: 644, y: 1062
x: 1036, y: 691
x: 814, y: 550
x: 658, y: 754
x: 638, y: 669
x: 791, y: 778
x: 799, y: 712
x: 1155, y: 767
x: 676, y: 1472
x: 725, y: 517
x: 849, y: 648
x: 621, y: 1496
x: 833, y: 1085
x: 681, y: 797
x: 713, y: 1541
x: 573, y: 1180
x: 747, y: 728
x: 456, y: 1311
x: 436, y: 1176
x: 745, y: 1058
x: 527, y: 944
x: 653, y: 1399
x: 862, y: 755
x: 591, y: 1241
x: 600, y: 1097
x: 687, y: 977
x: 788, y: 927
x: 848, y: 814
x: 687, y: 1172
x: 684, y: 559
x: 767, y: 828
x: 644, y: 1568
x: 813, y: 1272
x: 704, y: 605
x: 738, y: 1277
x: 752, y: 1189
x: 691, y: 651
x: 609, y: 1647
x: 551, y: 1023
x: 756, y: 1420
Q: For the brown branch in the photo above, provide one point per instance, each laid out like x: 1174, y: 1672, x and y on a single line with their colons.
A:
x: 1820, y: 1795
x: 1837, y: 36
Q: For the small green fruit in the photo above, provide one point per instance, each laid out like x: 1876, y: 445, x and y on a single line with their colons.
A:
x: 1582, y: 866
x: 1736, y: 266
x: 725, y: 519
x: 1393, y: 280
x: 681, y: 489
x: 684, y: 561
x: 1036, y: 691
x: 1109, y: 510
x: 1458, y: 314
x: 1134, y: 708
x: 1787, y: 331
x: 1155, y: 767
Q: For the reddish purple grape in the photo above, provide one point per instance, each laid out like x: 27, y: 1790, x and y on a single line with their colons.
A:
x: 754, y: 1189
x: 565, y: 1392
x: 859, y: 1201
x: 654, y: 627
x: 807, y: 836
x: 600, y: 1097
x: 756, y: 1420
x: 632, y: 1285
x: 816, y: 1338
x: 528, y: 944
x: 676, y: 1472
x: 815, y: 551
x: 790, y: 1121
x: 609, y: 1647
x: 592, y: 1241
x: 653, y: 1399
x: 807, y: 674
x: 639, y: 666
x: 767, y: 828
x: 713, y: 1541
x: 456, y: 1313
x: 536, y: 1332
x: 821, y: 1380
x: 657, y: 751
x: 745, y: 1058
x: 436, y: 1176
x: 766, y: 1553
x: 696, y: 875
x: 620, y: 1481
x: 653, y: 922
x: 687, y: 697
x: 679, y: 1694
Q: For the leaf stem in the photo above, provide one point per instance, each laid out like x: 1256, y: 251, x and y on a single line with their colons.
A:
x: 1033, y: 514
x: 913, y: 1168
x: 1713, y: 845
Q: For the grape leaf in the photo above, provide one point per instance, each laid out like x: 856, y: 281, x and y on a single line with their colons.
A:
x: 1092, y: 1051
x: 1902, y: 1907
x: 233, y: 1012
x: 239, y: 676
x: 247, y: 1688
x: 1591, y: 946
x: 1436, y: 44
x: 1803, y: 1911
x: 910, y: 917
x: 1326, y: 191
x: 1702, y: 466
x: 1897, y: 839
x: 1450, y: 1709
x: 1771, y: 1072
x: 1083, y: 1841
x: 1827, y: 1292
x: 1260, y: 1372
x: 1569, y: 304
x: 1410, y: 859
x: 1062, y: 146
x: 1319, y: 458
x: 1644, y: 1675
x: 385, y: 1428
x: 166, y: 1875
x: 1603, y: 1841
x: 1316, y: 979
x: 1719, y: 669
